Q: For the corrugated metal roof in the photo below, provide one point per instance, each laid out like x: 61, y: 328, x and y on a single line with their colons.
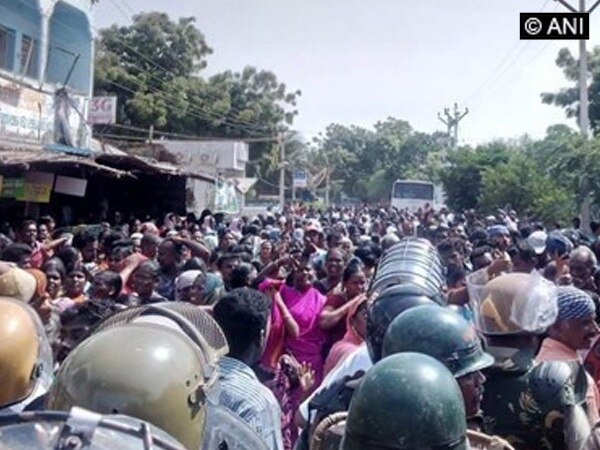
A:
x: 29, y: 157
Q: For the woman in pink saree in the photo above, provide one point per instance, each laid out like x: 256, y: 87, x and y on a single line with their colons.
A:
x: 304, y: 304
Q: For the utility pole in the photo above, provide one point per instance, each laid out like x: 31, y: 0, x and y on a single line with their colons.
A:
x: 293, y: 170
x: 281, y: 141
x: 584, y: 113
x: 451, y: 121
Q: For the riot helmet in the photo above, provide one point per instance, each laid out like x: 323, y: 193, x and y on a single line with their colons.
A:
x: 25, y: 355
x: 440, y: 333
x: 514, y: 304
x: 412, y: 261
x: 407, y: 401
x: 153, y: 363
x: 81, y: 429
x: 389, y: 304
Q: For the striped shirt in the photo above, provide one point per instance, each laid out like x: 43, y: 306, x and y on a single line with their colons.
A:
x: 242, y: 393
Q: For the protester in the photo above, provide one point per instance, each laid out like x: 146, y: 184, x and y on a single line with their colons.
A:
x: 243, y: 315
x: 301, y: 346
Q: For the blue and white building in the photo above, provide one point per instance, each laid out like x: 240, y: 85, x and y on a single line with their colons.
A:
x: 46, y: 73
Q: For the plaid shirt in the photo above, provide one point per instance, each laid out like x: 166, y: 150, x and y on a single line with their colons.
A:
x: 242, y: 393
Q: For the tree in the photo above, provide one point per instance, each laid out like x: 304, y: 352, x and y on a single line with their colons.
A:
x: 154, y: 67
x: 462, y: 177
x: 524, y: 186
x: 392, y: 150
x: 568, y: 98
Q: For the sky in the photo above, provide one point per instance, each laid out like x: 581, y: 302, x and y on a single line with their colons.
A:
x: 357, y: 62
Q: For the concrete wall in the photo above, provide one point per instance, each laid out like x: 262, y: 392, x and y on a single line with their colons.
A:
x: 226, y: 158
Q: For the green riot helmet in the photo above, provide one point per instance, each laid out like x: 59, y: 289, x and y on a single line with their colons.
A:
x: 389, y: 304
x: 150, y: 363
x: 438, y: 332
x: 407, y: 401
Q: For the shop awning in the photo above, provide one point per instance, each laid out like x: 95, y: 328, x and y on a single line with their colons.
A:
x: 27, y: 158
x: 112, y: 156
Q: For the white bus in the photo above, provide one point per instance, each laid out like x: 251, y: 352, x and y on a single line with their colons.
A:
x: 413, y: 194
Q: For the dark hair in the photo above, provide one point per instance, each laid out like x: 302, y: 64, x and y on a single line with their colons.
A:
x: 241, y: 249
x: 152, y: 267
x: 46, y: 220
x: 15, y: 252
x: 28, y: 222
x: 194, y: 264
x: 110, y: 238
x: 239, y: 276
x: 478, y: 252
x: 354, y: 266
x: 594, y: 226
x: 178, y: 247
x: 523, y: 251
x: 242, y: 315
x: 69, y: 257
x: 226, y: 257
x: 55, y: 264
x: 455, y: 274
x: 332, y: 237
x: 149, y: 238
x: 336, y: 249
x: 113, y: 279
x: 83, y: 238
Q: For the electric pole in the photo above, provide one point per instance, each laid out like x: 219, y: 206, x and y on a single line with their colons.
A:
x: 584, y: 113
x: 452, y: 120
x: 281, y: 141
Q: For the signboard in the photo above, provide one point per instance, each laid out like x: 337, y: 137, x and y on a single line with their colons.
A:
x: 12, y: 187
x: 300, y: 178
x: 38, y: 187
x: 103, y: 110
x: 70, y: 186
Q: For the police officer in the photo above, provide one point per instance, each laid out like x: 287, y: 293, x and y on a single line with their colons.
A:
x: 25, y: 356
x: 389, y: 304
x: 407, y: 401
x: 157, y: 363
x: 541, y: 406
x: 446, y: 336
x: 385, y: 308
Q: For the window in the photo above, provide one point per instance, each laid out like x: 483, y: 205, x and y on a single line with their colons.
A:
x: 7, y: 48
x: 29, y: 56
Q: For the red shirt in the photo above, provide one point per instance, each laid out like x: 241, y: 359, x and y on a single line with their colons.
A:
x: 37, y: 256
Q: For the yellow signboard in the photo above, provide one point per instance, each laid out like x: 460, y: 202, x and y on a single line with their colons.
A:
x: 37, y: 188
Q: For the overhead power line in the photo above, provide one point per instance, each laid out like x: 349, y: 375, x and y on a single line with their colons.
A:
x: 204, y: 115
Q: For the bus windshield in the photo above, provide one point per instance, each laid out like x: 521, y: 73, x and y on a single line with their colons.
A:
x: 417, y: 191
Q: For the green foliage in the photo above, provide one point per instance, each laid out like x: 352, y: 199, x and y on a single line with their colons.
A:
x: 568, y: 98
x: 521, y: 183
x: 373, y: 160
x: 462, y: 177
x: 154, y: 67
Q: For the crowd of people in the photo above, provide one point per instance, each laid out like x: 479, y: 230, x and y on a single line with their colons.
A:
x: 307, y: 329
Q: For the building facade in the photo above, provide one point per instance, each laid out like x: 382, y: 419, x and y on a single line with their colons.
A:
x: 223, y: 159
x: 46, y: 72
